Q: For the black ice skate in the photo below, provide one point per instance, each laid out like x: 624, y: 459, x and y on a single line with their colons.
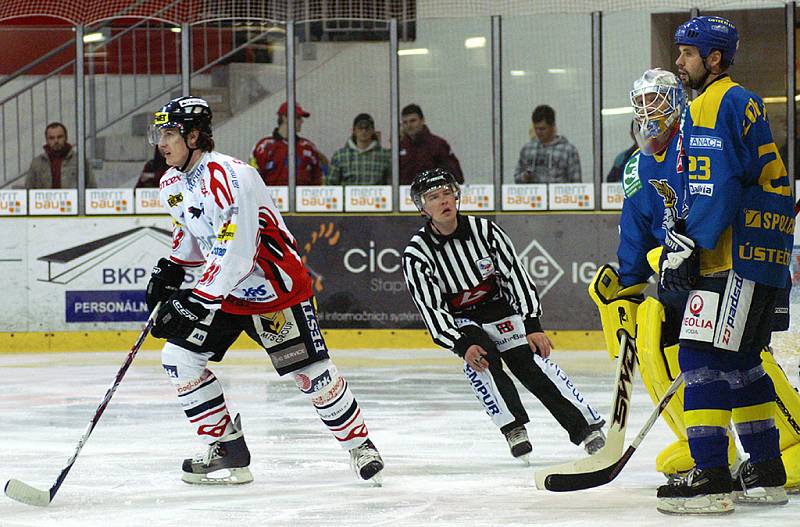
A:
x: 594, y: 441
x: 225, y: 463
x: 700, y: 491
x: 519, y: 444
x: 367, y: 462
x: 761, y: 483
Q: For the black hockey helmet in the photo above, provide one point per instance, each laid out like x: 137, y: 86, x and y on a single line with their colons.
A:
x: 183, y: 113
x: 431, y: 180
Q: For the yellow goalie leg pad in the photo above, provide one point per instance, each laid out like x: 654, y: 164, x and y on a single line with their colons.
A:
x: 658, y: 367
x: 787, y: 418
x: 617, y: 306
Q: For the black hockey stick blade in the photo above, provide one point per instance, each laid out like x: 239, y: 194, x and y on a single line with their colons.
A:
x: 587, y: 480
x: 24, y: 493
x: 596, y: 478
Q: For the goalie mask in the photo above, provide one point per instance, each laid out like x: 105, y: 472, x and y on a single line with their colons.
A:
x: 183, y: 113
x: 657, y: 99
x: 430, y: 181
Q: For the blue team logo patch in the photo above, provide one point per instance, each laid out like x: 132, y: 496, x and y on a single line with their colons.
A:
x: 172, y: 371
x: 705, y: 142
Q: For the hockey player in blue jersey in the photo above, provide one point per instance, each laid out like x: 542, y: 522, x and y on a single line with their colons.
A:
x: 733, y: 258
x: 655, y: 193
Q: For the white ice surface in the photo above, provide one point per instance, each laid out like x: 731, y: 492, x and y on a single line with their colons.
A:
x: 446, y: 463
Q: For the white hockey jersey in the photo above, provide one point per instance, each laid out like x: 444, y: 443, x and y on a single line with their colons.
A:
x: 224, y: 219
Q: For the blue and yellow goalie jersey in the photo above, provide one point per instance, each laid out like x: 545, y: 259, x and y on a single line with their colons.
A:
x: 739, y: 196
x: 654, y: 200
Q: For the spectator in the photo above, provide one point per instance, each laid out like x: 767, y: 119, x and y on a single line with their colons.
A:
x: 57, y: 167
x: 271, y: 153
x: 615, y: 174
x: 420, y: 150
x: 361, y: 161
x: 549, y: 158
x: 152, y: 171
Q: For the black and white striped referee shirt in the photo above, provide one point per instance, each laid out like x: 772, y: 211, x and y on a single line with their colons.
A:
x: 474, y: 273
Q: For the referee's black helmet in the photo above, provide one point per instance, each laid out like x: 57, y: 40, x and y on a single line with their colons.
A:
x: 431, y: 180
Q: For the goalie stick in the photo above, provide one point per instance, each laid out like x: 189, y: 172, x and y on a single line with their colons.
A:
x: 595, y: 478
x: 21, y: 491
x: 620, y: 408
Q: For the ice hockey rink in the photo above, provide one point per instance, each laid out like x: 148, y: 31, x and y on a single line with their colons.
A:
x: 446, y: 464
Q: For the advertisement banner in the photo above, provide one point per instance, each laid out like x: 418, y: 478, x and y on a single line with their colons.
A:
x: 62, y: 202
x: 90, y: 273
x: 109, y: 201
x: 13, y: 202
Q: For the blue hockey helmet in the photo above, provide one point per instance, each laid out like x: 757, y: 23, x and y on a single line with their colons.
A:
x: 708, y: 33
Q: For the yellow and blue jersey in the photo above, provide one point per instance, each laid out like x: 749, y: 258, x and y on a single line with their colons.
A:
x: 654, y: 200
x: 738, y: 193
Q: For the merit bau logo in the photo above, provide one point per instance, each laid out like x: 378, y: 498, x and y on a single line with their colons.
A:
x: 319, y: 199
x: 368, y: 198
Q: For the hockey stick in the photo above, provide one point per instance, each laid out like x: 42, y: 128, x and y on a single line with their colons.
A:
x: 620, y: 407
x: 587, y: 480
x: 22, y: 492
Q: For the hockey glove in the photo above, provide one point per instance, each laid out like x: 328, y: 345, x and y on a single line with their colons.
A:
x: 165, y: 280
x: 679, y: 265
x: 178, y: 316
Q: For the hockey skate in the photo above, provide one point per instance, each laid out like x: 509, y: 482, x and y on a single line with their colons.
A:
x: 761, y: 483
x: 519, y: 444
x: 225, y: 462
x: 367, y: 462
x: 593, y: 442
x: 700, y: 491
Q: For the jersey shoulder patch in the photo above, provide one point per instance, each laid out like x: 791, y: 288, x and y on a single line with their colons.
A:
x: 631, y: 184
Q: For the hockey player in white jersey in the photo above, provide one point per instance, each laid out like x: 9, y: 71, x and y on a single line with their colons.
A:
x: 253, y: 280
x: 477, y: 300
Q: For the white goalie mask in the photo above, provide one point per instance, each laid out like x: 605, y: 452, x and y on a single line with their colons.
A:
x: 657, y: 99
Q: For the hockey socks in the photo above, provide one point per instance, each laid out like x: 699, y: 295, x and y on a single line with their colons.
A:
x: 334, y: 402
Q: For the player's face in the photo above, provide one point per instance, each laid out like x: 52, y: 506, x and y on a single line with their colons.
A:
x: 691, y: 69
x: 56, y: 138
x: 412, y: 124
x: 173, y: 147
x: 440, y: 205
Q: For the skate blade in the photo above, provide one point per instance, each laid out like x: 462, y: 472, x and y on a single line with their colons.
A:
x: 762, y: 496
x: 376, y: 480
x: 525, y: 459
x: 708, y: 504
x: 227, y: 476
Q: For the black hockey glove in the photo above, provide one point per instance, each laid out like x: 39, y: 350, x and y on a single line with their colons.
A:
x: 178, y: 316
x: 679, y: 266
x: 165, y: 280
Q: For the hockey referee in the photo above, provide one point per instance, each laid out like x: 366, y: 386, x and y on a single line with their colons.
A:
x: 477, y: 300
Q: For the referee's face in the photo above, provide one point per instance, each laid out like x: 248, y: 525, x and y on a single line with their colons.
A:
x: 440, y: 205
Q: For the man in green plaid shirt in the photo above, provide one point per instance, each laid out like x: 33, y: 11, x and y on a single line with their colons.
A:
x: 361, y: 161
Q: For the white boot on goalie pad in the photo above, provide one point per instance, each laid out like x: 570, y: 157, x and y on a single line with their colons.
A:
x: 224, y: 463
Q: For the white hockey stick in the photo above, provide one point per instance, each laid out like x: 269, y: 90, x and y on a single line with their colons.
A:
x: 21, y: 491
x: 620, y: 408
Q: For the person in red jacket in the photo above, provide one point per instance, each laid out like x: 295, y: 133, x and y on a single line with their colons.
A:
x: 420, y: 150
x: 271, y: 153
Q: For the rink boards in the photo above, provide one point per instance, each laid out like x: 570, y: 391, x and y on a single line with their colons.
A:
x: 78, y: 283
